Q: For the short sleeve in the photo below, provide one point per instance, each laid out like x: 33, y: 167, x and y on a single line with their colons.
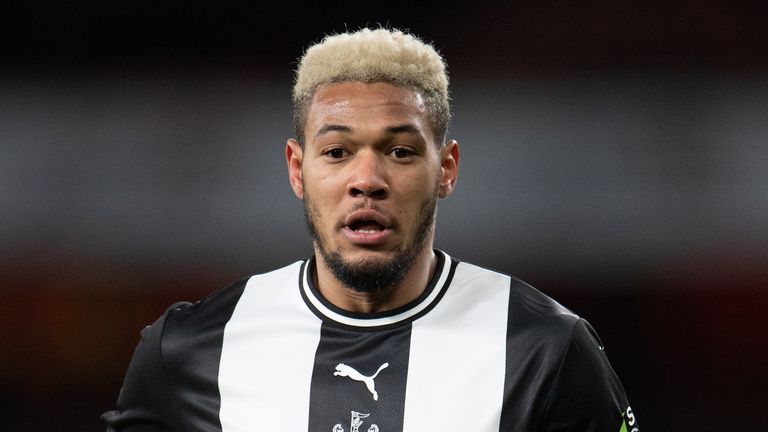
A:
x: 144, y: 403
x: 587, y: 395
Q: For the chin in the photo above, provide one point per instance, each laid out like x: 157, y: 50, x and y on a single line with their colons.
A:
x: 367, y: 257
x: 369, y: 271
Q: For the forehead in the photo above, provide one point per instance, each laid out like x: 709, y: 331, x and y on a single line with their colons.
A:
x: 366, y: 106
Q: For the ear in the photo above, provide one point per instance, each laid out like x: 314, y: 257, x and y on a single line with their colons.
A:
x: 449, y: 168
x: 294, y: 156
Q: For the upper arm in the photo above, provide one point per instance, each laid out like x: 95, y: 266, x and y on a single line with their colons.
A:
x: 144, y: 403
x: 586, y: 395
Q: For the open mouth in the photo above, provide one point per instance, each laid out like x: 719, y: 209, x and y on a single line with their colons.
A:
x: 366, y: 226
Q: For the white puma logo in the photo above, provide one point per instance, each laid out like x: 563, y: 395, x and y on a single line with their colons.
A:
x: 349, y: 371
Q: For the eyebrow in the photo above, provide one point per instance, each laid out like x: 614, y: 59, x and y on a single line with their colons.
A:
x: 405, y: 128
x: 333, y: 128
x: 392, y: 130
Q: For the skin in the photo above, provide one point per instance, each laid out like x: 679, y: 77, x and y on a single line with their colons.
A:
x: 370, y: 153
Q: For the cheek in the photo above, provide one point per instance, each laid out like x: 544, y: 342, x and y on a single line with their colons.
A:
x: 325, y: 191
x: 416, y: 189
x: 320, y: 181
x: 424, y: 180
x: 329, y: 189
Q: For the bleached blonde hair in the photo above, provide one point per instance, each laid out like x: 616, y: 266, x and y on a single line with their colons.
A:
x: 380, y: 55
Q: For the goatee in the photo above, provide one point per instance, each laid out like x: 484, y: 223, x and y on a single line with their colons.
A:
x: 370, y: 275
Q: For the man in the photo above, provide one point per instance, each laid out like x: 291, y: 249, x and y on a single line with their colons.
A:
x: 377, y: 331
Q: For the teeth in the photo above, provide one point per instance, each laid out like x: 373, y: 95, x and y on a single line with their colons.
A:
x: 366, y: 231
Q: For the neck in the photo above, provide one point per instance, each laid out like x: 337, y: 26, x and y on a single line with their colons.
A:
x: 407, y: 290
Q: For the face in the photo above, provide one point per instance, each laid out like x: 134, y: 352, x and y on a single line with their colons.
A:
x: 370, y: 175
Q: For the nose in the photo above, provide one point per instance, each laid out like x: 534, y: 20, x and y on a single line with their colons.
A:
x: 368, y: 176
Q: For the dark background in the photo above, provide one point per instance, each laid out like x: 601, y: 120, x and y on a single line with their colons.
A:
x: 614, y: 156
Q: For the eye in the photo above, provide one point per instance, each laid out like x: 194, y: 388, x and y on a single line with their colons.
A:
x: 402, y: 152
x: 335, y: 153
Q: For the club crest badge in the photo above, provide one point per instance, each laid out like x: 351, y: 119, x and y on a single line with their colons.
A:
x: 355, y: 423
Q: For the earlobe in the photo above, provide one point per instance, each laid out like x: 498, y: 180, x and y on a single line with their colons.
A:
x: 449, y: 168
x: 294, y: 158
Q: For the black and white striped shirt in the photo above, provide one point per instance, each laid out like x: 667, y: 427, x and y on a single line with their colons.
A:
x: 477, y: 351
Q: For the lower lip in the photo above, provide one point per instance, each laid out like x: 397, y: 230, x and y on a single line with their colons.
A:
x: 366, y: 238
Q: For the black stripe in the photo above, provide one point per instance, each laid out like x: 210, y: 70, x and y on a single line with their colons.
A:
x: 538, y: 331
x: 192, y: 344
x: 335, y: 395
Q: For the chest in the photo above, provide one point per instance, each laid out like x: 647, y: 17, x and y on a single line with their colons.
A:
x: 411, y: 378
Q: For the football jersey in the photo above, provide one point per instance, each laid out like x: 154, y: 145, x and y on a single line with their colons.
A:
x: 477, y: 351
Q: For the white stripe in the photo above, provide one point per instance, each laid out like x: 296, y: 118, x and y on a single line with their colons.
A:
x: 267, y: 356
x: 374, y: 322
x: 457, y: 358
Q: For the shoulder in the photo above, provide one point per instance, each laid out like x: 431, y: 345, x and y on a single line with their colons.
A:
x: 532, y: 317
x: 561, y: 372
x: 526, y: 303
x: 217, y: 307
x: 531, y: 308
x: 185, y: 326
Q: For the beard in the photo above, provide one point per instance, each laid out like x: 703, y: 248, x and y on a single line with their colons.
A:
x: 372, y: 275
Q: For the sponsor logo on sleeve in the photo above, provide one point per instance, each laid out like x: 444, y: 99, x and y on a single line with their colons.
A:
x: 628, y: 421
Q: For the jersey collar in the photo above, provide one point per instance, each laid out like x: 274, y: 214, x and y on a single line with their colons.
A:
x: 326, y: 311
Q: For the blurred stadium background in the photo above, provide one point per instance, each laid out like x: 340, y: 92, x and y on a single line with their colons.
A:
x: 614, y: 156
